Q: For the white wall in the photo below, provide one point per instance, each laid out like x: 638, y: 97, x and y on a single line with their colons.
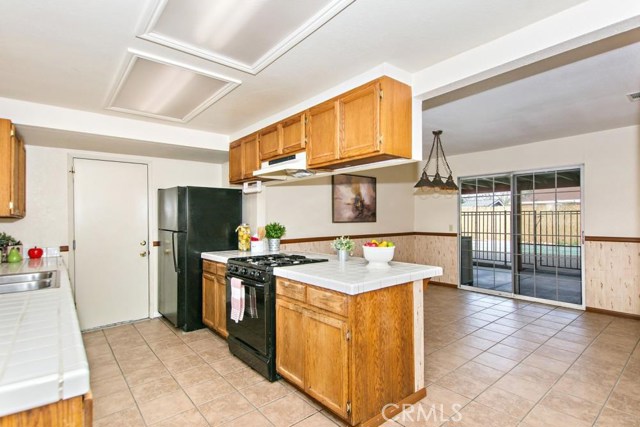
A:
x: 48, y: 193
x: 611, y: 162
x: 304, y: 207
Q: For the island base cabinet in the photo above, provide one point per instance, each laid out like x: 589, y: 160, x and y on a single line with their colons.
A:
x: 354, y: 354
x: 74, y: 412
x: 326, y: 373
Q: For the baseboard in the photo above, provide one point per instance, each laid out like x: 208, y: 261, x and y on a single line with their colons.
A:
x: 448, y: 285
x: 612, y: 313
x: 392, y: 410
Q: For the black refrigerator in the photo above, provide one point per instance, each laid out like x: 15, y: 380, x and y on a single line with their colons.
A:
x: 191, y: 220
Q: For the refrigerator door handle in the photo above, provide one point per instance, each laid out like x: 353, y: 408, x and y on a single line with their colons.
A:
x: 173, y: 252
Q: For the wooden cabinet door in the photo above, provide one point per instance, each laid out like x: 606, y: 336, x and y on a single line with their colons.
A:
x: 326, y: 369
x: 270, y: 146
x: 322, y: 134
x: 290, y: 345
x: 250, y: 156
x: 220, y: 314
x: 360, y: 121
x: 235, y: 162
x: 209, y: 300
x: 293, y: 134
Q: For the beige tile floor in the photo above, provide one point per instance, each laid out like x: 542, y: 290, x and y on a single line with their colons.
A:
x: 490, y: 361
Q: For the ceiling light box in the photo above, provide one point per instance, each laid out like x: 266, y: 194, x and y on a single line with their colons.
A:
x: 161, y: 89
x: 245, y: 35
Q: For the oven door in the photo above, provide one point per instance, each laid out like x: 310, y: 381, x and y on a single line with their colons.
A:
x: 252, y: 329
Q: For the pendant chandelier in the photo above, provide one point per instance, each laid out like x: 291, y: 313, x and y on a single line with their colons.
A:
x: 441, y: 162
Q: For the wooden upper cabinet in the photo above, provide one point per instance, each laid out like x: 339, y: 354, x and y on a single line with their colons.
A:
x: 373, y: 123
x: 293, y: 134
x: 284, y: 138
x: 235, y: 162
x: 244, y: 158
x: 270, y: 143
x: 322, y: 134
x: 360, y: 121
x: 368, y: 124
x: 12, y: 172
x: 250, y: 156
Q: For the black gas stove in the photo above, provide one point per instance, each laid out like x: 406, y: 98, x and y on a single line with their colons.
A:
x: 252, y: 338
x: 259, y: 267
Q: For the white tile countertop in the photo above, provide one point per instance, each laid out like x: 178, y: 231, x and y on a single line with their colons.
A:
x: 350, y: 277
x: 42, y: 357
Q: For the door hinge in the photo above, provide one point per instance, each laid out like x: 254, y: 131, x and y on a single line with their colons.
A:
x: 348, y: 336
x: 381, y: 94
x: 380, y: 139
x: 10, y: 206
x: 74, y: 245
x: 348, y: 407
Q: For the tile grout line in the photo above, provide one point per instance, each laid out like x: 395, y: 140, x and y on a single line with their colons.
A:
x: 617, y: 382
x: 520, y: 362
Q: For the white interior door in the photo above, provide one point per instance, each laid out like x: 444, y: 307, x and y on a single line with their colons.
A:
x: 111, y: 241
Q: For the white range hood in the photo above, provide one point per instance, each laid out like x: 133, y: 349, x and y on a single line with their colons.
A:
x: 293, y: 166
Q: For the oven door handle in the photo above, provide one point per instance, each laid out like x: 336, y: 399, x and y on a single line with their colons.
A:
x: 247, y: 282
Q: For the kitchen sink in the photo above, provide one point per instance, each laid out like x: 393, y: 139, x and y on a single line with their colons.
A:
x: 28, y: 281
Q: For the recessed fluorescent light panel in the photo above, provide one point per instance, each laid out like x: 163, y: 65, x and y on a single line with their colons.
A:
x: 247, y: 35
x: 164, y: 90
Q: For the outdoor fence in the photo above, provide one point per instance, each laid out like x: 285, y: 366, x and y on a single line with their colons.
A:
x: 544, y: 238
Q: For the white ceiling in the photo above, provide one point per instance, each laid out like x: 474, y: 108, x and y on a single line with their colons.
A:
x: 585, y: 96
x: 72, y: 53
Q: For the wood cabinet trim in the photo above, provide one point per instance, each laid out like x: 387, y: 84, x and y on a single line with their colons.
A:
x: 291, y: 289
x: 612, y: 239
x: 328, y: 301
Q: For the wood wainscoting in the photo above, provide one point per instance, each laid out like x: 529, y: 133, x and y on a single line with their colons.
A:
x: 612, y: 264
x: 612, y: 274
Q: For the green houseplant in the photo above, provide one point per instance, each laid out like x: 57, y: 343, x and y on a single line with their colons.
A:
x: 274, y: 232
x: 344, y: 246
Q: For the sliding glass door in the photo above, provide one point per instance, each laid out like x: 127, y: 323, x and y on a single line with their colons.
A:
x: 520, y: 234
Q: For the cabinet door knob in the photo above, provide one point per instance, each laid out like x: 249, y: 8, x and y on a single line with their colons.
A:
x: 143, y: 243
x: 143, y: 254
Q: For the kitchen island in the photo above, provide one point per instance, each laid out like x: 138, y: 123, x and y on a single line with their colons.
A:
x: 351, y: 336
x: 44, y: 374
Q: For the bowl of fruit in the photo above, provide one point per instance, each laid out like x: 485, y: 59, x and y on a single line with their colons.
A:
x: 378, y: 253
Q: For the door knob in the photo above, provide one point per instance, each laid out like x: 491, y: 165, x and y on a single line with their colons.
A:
x: 143, y: 253
x: 143, y: 243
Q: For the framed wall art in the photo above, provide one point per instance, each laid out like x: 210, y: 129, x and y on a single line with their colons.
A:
x: 353, y: 198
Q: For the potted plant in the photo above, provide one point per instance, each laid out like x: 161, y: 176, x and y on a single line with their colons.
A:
x: 344, y: 246
x: 7, y: 242
x: 274, y: 232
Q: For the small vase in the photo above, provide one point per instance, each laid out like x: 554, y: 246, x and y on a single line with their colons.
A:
x: 274, y: 245
x: 343, y: 255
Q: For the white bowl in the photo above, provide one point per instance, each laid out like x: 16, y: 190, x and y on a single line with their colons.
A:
x: 377, y: 256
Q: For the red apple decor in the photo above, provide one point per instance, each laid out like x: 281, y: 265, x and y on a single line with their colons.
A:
x: 35, y: 252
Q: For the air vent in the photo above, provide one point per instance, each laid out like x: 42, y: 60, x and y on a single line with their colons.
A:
x: 634, y: 97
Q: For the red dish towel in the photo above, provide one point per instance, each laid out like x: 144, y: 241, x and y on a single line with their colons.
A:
x: 237, y: 300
